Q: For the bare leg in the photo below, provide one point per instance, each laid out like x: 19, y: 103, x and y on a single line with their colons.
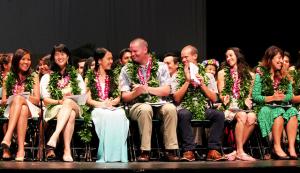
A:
x: 249, y: 126
x: 241, y: 118
x: 291, y: 128
x: 14, y: 114
x: 62, y: 119
x: 277, y: 132
x: 21, y: 130
x: 68, y: 133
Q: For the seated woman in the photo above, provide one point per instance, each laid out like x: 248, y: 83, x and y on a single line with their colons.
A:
x: 111, y: 123
x: 235, y: 83
x: 272, y: 91
x: 5, y: 64
x: 63, y: 81
x: 23, y: 87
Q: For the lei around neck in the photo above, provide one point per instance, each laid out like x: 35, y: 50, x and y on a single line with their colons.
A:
x: 244, y: 87
x: 12, y: 80
x: 194, y: 99
x: 114, y: 91
x: 53, y: 83
x: 132, y: 71
x: 267, y: 82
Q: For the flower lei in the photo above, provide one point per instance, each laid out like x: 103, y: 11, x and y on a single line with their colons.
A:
x: 295, y: 74
x: 211, y: 62
x: 194, y: 100
x: 99, y: 88
x: 111, y: 90
x: 54, y: 88
x: 112, y: 83
x: 238, y: 89
x: 268, y: 84
x: 12, y: 84
x: 133, y: 72
x: 64, y: 82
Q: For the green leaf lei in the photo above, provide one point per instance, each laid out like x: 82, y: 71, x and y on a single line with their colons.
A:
x: 267, y: 84
x: 114, y: 91
x: 296, y: 83
x: 194, y: 100
x: 54, y: 77
x: 12, y: 80
x: 132, y: 71
x: 244, y: 88
x: 86, y: 130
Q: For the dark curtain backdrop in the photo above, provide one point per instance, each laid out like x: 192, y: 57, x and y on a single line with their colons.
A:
x: 167, y: 25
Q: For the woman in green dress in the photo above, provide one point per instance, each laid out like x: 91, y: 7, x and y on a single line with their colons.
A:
x: 272, y: 91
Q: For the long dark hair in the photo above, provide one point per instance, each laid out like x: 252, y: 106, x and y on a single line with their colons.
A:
x: 270, y: 53
x: 16, y: 60
x: 242, y: 66
x: 99, y: 54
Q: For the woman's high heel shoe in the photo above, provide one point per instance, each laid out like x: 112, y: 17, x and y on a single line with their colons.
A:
x: 5, y: 145
x: 19, y: 159
x: 275, y: 156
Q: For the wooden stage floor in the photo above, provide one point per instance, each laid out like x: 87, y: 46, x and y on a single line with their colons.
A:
x: 198, y: 166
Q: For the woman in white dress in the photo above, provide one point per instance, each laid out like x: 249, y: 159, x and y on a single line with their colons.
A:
x: 63, y: 81
x: 111, y: 123
x: 23, y: 87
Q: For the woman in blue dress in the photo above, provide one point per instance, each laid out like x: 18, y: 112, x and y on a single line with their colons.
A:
x: 111, y: 123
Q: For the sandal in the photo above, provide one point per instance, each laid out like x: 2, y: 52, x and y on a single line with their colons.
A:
x: 6, y: 156
x: 231, y: 156
x: 245, y: 157
x: 50, y: 154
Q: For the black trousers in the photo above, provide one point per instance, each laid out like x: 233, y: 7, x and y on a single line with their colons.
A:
x: 186, y: 131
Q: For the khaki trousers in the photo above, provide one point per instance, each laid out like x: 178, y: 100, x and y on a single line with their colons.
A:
x: 143, y: 114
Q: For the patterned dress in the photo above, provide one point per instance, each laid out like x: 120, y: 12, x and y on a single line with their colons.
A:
x: 267, y: 114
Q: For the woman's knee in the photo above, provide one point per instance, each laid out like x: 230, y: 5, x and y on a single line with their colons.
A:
x: 251, y: 118
x: 18, y: 99
x: 241, y: 117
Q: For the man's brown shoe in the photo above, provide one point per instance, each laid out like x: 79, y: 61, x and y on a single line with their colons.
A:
x: 171, y: 156
x: 144, y: 157
x: 188, y: 156
x: 214, y: 155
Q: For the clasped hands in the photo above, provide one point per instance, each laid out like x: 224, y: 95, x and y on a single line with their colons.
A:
x: 278, y: 96
x: 140, y: 89
x: 248, y: 101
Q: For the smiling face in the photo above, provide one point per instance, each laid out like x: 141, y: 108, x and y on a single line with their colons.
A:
x: 188, y: 56
x: 25, y: 63
x: 211, y: 69
x: 61, y: 59
x: 169, y: 60
x: 277, y: 62
x: 231, y: 58
x: 138, y: 51
x: 43, y: 67
x: 286, y: 63
x: 106, y: 62
x: 125, y: 58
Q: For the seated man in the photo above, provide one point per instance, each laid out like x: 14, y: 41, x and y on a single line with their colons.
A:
x: 146, y: 80
x: 185, y: 92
